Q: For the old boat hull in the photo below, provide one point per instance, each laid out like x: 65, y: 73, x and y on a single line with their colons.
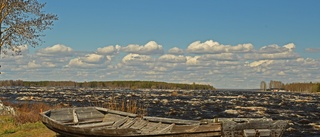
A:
x: 96, y: 121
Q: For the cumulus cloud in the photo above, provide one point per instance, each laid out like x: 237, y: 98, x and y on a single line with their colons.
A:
x: 192, y: 60
x: 220, y: 57
x: 135, y: 58
x: 277, y: 49
x: 212, y: 47
x: 75, y: 62
x: 281, y: 73
x: 260, y: 62
x: 275, y: 56
x: 58, y: 49
x: 176, y: 51
x: 109, y: 50
x: 79, y: 63
x: 240, y: 48
x: 150, y: 48
x: 206, y: 47
x: 290, y: 46
x: 172, y: 58
x: 33, y: 64
x: 92, y: 58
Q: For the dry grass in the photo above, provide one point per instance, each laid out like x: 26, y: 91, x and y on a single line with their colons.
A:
x: 29, y: 113
x: 126, y: 105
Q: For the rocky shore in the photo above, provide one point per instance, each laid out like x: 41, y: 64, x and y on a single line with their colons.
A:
x: 303, y: 110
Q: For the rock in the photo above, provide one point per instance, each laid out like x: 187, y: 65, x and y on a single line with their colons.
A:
x: 6, y: 110
x: 315, y: 126
x: 231, y: 111
x: 304, y: 121
x: 290, y: 129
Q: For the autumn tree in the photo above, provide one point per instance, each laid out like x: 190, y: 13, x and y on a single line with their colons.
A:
x: 22, y: 23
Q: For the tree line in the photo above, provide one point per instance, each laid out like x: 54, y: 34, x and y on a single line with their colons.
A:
x: 107, y: 84
x: 293, y: 87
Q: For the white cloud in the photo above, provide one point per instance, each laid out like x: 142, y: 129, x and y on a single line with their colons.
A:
x: 220, y: 57
x: 240, y: 48
x: 281, y: 73
x: 176, y: 51
x: 172, y: 58
x: 78, y: 63
x: 260, y: 62
x: 136, y: 58
x: 270, y: 49
x: 58, y: 49
x: 290, y: 46
x: 206, y: 47
x: 212, y: 47
x: 109, y: 50
x: 274, y: 56
x: 92, y: 58
x: 192, y: 60
x: 150, y: 48
x: 33, y: 64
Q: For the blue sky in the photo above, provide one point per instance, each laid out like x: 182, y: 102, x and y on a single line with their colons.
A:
x: 227, y: 44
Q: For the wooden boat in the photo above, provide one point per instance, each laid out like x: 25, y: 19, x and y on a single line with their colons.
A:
x: 96, y: 121
x: 102, y: 122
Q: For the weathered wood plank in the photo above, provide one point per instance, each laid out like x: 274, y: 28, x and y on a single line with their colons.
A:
x: 75, y: 117
x: 139, y: 124
x: 108, y: 123
x: 120, y: 122
x: 165, y: 129
x: 150, y: 127
x: 84, y: 122
x: 89, y: 113
x: 128, y: 124
x: 183, y: 128
x: 171, y: 120
x: 117, y: 112
x: 209, y: 127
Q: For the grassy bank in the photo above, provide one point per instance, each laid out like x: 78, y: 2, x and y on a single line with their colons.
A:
x: 9, y: 128
x: 26, y: 122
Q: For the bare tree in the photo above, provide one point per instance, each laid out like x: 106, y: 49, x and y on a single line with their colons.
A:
x: 22, y: 22
x: 263, y: 86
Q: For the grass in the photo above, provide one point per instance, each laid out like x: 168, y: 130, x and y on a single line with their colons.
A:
x: 9, y: 128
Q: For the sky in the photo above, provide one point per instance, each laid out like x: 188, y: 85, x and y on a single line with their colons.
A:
x: 224, y: 43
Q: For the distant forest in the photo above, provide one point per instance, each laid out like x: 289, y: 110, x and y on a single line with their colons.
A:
x: 107, y: 84
x: 294, y: 87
